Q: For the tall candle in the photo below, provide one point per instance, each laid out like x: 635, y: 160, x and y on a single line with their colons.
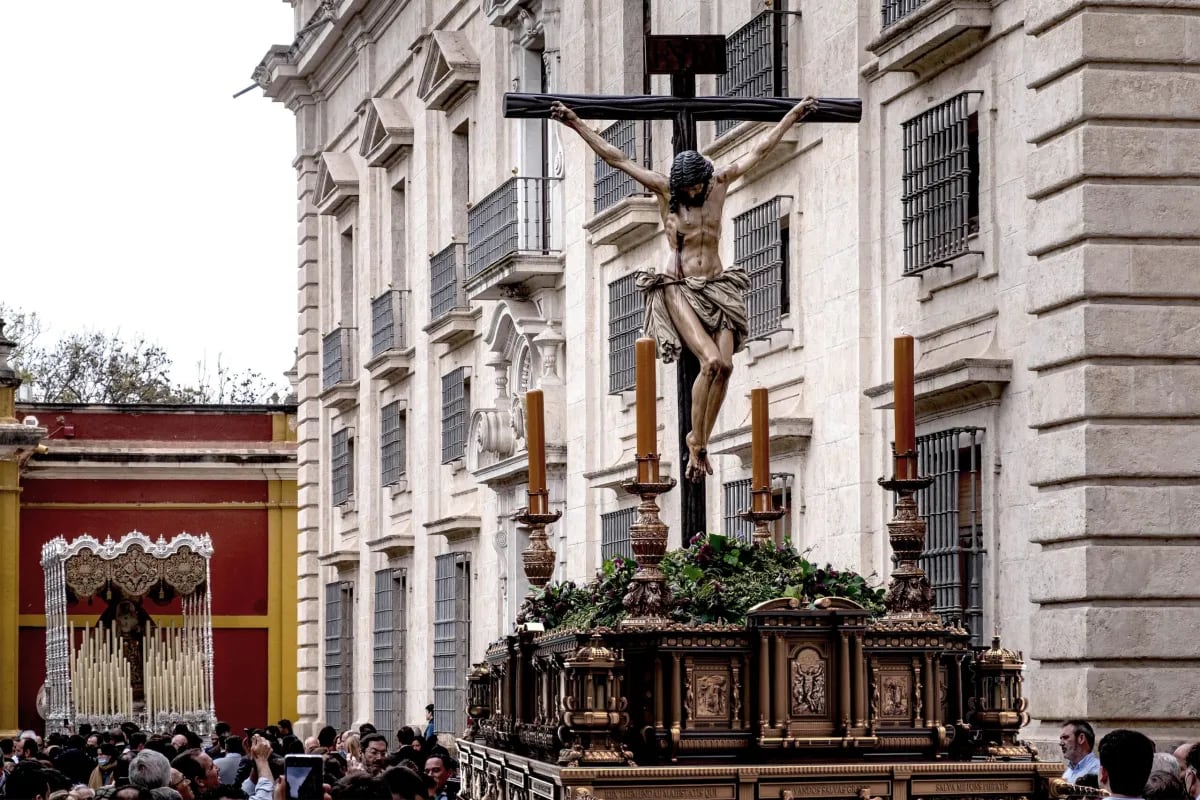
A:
x: 535, y: 440
x: 906, y: 413
x: 647, y: 400
x: 760, y: 440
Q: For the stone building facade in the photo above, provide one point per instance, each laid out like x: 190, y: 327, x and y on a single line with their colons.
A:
x: 1020, y: 196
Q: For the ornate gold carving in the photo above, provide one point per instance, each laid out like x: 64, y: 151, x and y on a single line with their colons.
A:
x: 712, y: 695
x: 808, y: 683
x: 896, y: 694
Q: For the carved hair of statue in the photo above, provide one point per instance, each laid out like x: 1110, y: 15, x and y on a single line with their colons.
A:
x: 689, y: 169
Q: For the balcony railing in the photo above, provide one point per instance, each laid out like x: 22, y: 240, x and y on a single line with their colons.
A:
x: 446, y: 281
x: 337, y: 354
x: 631, y: 137
x: 757, y: 59
x: 513, y: 219
x: 389, y: 322
x: 896, y: 10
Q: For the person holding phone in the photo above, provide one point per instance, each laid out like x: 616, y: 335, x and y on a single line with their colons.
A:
x: 264, y: 784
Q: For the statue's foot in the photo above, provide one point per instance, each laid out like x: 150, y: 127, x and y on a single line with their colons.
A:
x: 698, y: 467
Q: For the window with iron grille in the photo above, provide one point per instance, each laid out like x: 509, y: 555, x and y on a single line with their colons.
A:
x: 614, y: 533
x: 760, y: 246
x: 336, y: 351
x: 737, y: 499
x: 941, y: 184
x: 896, y: 10
x: 514, y: 218
x: 631, y: 137
x: 342, y: 466
x: 339, y: 619
x: 388, y: 649
x: 451, y: 640
x: 952, y: 508
x: 456, y: 411
x: 392, y: 445
x: 626, y: 308
x: 387, y: 322
x: 445, y: 281
x: 756, y: 55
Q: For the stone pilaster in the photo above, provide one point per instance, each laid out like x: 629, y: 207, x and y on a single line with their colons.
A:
x: 1114, y: 177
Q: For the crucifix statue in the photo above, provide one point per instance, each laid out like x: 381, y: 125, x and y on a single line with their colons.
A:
x: 695, y: 307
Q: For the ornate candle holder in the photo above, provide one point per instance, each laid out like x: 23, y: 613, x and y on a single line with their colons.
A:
x: 909, y: 598
x: 760, y: 513
x: 538, y: 558
x: 648, y: 597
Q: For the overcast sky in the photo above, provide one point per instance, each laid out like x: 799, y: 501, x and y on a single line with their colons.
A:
x: 138, y: 195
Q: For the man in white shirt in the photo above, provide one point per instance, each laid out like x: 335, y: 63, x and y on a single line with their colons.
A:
x: 1077, y: 740
x: 1126, y: 758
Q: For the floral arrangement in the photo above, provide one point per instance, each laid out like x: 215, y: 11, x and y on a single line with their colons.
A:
x: 715, y: 579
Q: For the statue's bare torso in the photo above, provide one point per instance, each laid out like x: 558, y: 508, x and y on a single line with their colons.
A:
x: 693, y: 228
x: 694, y: 235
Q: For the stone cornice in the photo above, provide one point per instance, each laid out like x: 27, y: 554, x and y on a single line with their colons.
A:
x: 960, y: 384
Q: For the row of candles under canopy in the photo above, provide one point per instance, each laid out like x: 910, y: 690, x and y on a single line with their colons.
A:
x: 174, y: 680
x: 762, y: 507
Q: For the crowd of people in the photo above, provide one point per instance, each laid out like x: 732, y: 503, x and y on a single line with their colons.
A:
x: 1125, y: 764
x: 129, y: 764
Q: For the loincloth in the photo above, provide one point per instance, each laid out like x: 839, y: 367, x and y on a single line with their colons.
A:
x: 719, y: 303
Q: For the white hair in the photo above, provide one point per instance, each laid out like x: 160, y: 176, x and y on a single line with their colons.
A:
x: 1165, y: 762
x: 150, y: 769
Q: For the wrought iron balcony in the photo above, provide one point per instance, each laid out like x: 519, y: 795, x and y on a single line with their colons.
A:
x: 338, y: 385
x: 513, y: 238
x: 757, y: 59
x: 391, y: 348
x: 450, y: 316
x: 923, y: 35
x: 896, y: 10
x: 625, y: 214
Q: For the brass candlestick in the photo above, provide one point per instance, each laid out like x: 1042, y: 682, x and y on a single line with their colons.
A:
x: 760, y: 513
x: 909, y: 597
x: 648, y: 596
x: 538, y: 558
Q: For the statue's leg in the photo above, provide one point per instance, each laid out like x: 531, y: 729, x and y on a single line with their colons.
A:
x: 716, y: 391
x: 714, y: 365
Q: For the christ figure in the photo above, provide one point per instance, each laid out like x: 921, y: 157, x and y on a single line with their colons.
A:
x: 693, y: 301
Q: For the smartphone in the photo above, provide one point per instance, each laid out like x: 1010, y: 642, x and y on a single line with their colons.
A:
x: 305, y: 776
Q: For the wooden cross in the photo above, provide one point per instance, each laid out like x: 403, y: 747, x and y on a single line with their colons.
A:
x: 683, y: 58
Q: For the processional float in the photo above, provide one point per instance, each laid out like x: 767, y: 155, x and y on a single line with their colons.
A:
x: 126, y: 667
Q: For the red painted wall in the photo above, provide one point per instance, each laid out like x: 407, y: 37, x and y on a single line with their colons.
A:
x: 239, y: 563
x: 161, y: 426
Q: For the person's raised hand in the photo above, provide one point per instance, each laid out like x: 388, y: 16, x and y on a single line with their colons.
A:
x: 260, y: 748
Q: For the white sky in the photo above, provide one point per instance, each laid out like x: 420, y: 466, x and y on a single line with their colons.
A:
x: 138, y: 195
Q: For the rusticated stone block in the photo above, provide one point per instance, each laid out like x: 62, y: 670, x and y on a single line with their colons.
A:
x: 1093, y: 269
x: 1099, y: 572
x: 1094, y: 93
x: 1106, y: 390
x: 1113, y: 152
x: 1092, y: 450
x: 1138, y: 331
x: 1114, y: 632
x: 1090, y: 210
x: 1099, y: 512
x: 1148, y: 691
x: 1100, y: 36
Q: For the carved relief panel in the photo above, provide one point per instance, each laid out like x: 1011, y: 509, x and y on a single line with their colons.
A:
x: 709, y: 693
x: 808, y: 682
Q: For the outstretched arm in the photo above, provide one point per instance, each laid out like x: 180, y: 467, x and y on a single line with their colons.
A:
x: 768, y: 142
x: 613, y: 156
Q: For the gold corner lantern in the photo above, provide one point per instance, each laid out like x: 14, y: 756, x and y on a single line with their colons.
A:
x: 999, y: 709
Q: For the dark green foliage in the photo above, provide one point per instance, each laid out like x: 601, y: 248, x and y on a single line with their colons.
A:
x: 714, y: 579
